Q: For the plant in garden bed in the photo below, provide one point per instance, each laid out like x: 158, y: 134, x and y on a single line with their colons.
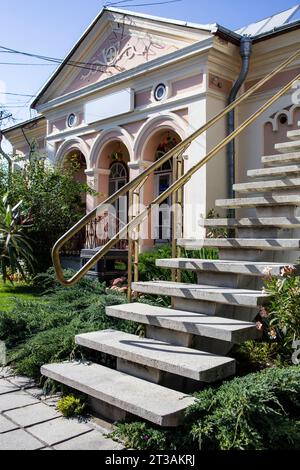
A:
x: 279, y: 322
x: 15, y: 247
x: 70, y: 406
x: 37, y: 333
x: 257, y: 412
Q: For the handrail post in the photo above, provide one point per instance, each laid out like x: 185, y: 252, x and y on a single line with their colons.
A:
x: 130, y: 246
x: 177, y: 214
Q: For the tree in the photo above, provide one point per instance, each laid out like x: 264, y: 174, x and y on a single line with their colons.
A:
x: 52, y: 201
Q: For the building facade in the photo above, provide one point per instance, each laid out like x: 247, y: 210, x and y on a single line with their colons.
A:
x: 134, y: 86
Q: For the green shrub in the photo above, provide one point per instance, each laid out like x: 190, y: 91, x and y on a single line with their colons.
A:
x: 148, y: 271
x: 43, y: 331
x: 257, y: 412
x: 70, y: 406
x: 281, y: 319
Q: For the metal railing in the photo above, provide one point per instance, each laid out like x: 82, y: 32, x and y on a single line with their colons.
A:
x: 134, y: 187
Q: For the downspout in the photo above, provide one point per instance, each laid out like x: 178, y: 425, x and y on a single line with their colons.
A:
x: 245, y: 51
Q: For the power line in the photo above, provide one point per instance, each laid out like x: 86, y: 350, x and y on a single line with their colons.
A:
x: 141, y: 4
x: 81, y: 65
x: 31, y: 65
x: 16, y: 94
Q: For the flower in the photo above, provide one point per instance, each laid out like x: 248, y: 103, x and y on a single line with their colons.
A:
x: 259, y: 326
x: 288, y: 271
x: 273, y: 334
x: 146, y: 437
x: 268, y: 271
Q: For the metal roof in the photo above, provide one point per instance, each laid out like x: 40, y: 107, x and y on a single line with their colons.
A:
x: 269, y: 24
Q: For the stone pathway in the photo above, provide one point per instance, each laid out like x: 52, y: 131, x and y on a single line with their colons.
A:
x: 29, y: 420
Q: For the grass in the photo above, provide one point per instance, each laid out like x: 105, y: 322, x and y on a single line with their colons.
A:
x: 10, y: 292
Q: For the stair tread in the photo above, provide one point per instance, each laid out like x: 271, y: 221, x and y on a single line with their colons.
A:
x: 227, y: 266
x: 225, y: 329
x: 179, y: 360
x: 286, y: 200
x: 281, y: 222
x: 149, y: 401
x: 266, y: 186
x: 224, y: 295
x: 294, y: 134
x: 271, y: 244
x: 281, y: 159
x: 288, y: 146
x: 274, y: 171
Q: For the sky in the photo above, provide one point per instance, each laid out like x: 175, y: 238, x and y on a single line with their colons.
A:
x: 52, y: 27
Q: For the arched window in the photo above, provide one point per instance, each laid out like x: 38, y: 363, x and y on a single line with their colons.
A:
x: 118, y: 177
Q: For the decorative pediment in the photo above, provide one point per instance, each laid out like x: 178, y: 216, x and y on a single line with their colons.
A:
x: 114, y: 44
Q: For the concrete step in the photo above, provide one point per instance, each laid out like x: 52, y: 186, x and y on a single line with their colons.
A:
x: 282, y: 159
x: 265, y: 244
x: 223, y: 295
x: 149, y: 401
x: 286, y: 147
x: 274, y: 171
x: 294, y: 135
x: 277, y: 222
x: 262, y: 201
x: 247, y: 268
x: 267, y: 186
x: 233, y: 331
x: 178, y: 360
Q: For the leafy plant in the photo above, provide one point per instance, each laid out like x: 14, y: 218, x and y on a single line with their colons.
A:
x: 70, y: 406
x: 52, y: 202
x: 257, y: 412
x: 15, y: 248
x: 43, y: 331
x: 281, y: 319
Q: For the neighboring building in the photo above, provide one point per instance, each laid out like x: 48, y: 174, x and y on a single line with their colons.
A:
x: 135, y: 85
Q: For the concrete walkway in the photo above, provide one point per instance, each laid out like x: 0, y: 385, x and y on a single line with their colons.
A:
x: 29, y: 420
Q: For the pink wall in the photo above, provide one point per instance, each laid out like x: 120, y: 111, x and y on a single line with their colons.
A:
x: 126, y: 52
x: 187, y: 84
x: 278, y: 81
x: 275, y: 137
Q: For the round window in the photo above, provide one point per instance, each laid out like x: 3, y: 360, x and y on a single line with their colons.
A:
x: 72, y: 120
x: 160, y: 92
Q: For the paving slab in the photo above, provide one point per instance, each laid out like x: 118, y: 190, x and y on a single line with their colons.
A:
x: 7, y: 387
x: 6, y: 372
x: 19, y: 440
x: 10, y: 401
x: 59, y: 430
x: 92, y: 441
x: 37, y: 393
x: 34, y: 414
x: 6, y: 425
x: 22, y: 382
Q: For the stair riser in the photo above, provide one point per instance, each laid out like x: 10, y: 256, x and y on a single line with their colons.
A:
x: 215, y: 310
x: 165, y: 379
x: 234, y: 281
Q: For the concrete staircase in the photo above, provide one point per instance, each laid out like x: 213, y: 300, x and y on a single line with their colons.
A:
x: 188, y: 346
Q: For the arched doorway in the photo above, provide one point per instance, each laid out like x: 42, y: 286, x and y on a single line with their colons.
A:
x: 112, y: 166
x: 75, y: 163
x: 118, y: 178
x: 160, y: 143
x: 163, y: 180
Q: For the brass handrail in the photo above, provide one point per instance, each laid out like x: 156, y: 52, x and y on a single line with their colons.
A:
x: 178, y: 150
